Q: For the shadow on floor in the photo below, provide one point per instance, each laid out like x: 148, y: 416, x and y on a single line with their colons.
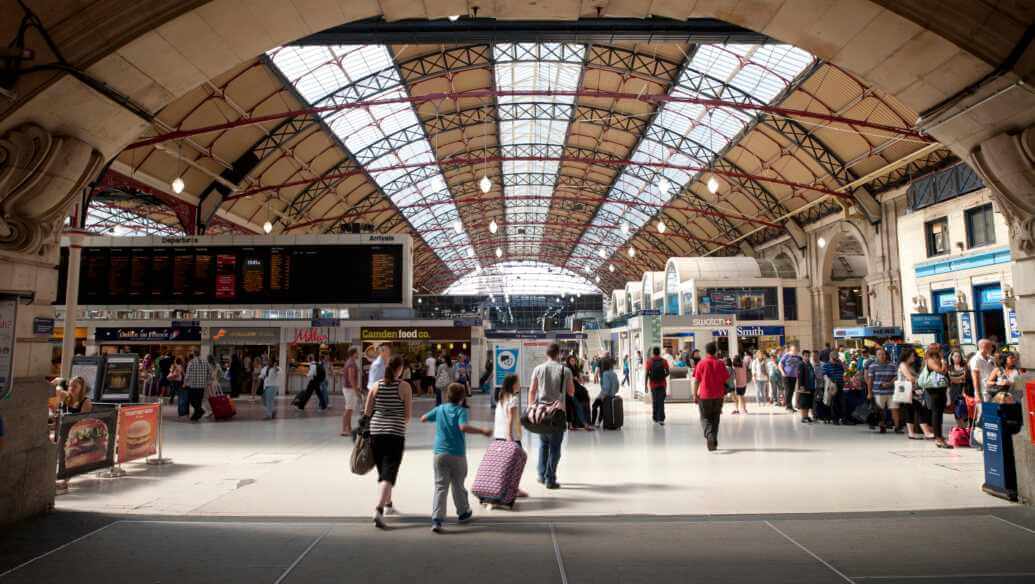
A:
x: 778, y: 450
x: 611, y: 487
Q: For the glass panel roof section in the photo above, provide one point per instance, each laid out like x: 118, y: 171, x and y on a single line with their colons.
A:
x: 522, y: 277
x: 532, y: 67
x: 762, y: 72
x: 119, y: 222
x: 325, y: 75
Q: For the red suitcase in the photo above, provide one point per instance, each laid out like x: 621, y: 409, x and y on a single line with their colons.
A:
x: 499, y: 473
x: 222, y: 407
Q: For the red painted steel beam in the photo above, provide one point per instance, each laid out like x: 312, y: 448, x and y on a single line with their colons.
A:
x: 494, y: 93
x: 464, y: 161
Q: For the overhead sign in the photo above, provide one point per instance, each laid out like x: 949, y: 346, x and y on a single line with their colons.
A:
x: 325, y: 322
x: 245, y: 336
x: 442, y: 333
x: 927, y: 323
x: 467, y: 322
x: 710, y: 321
x: 650, y: 312
x: 752, y: 331
x: 148, y: 334
x: 867, y: 332
x: 42, y: 326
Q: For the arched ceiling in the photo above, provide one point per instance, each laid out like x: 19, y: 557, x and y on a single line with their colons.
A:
x: 587, y: 146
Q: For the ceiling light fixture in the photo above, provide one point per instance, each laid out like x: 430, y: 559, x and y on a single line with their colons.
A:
x: 661, y: 226
x: 454, y: 17
x: 485, y: 184
x: 821, y: 242
x: 177, y: 185
x: 713, y: 185
x: 597, y: 279
x: 267, y: 227
x: 610, y: 267
x: 602, y: 253
x: 632, y: 252
x: 499, y: 252
x: 493, y: 227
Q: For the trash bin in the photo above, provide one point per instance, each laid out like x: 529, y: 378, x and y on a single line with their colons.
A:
x: 999, y: 422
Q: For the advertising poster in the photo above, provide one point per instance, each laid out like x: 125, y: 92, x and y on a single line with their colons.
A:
x: 966, y: 329
x: 533, y: 353
x: 86, y: 442
x: 1015, y: 331
x: 8, y: 312
x: 137, y: 431
x: 507, y: 362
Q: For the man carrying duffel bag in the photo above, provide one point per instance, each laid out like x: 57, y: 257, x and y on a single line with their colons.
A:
x: 551, y: 381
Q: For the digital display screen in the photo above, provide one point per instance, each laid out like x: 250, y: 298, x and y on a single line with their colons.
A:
x: 314, y: 274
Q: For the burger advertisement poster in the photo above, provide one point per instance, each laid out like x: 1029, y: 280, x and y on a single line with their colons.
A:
x: 86, y: 442
x: 138, y: 432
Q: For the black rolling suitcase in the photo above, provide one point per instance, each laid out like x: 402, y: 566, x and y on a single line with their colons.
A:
x: 303, y: 396
x: 613, y: 413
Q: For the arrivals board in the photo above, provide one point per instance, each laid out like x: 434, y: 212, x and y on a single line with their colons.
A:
x: 321, y: 274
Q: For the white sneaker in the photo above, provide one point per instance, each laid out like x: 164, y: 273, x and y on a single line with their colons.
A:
x: 379, y: 519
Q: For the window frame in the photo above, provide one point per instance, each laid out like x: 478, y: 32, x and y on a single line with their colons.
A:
x: 968, y: 223
x: 929, y: 236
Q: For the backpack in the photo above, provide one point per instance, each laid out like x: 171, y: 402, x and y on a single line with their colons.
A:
x: 320, y: 373
x: 657, y: 370
x: 443, y: 377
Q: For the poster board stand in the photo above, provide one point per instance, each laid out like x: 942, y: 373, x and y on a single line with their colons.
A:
x: 159, y: 460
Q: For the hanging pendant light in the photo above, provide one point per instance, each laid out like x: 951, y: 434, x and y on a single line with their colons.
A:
x: 821, y: 242
x: 611, y: 267
x: 485, y: 184
x: 499, y: 252
x: 177, y: 185
x: 597, y: 279
x: 713, y: 185
x: 661, y: 226
x: 493, y: 228
x: 632, y: 252
x: 267, y: 227
x: 602, y: 253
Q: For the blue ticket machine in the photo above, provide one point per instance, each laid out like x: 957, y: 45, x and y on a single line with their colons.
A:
x: 999, y: 422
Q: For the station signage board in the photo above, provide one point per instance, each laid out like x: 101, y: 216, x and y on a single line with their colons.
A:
x: 752, y: 331
x: 389, y: 334
x: 148, y: 334
x: 245, y: 336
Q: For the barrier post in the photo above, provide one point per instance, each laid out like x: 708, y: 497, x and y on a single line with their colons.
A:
x: 160, y: 460
x: 116, y: 471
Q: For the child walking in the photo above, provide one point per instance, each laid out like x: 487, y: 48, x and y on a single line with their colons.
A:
x: 450, y: 453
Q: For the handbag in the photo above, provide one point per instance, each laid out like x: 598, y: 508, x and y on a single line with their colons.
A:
x: 545, y: 418
x: 903, y: 392
x: 362, y: 459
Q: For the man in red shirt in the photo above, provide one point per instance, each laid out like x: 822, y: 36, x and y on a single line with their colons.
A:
x: 710, y: 376
x: 656, y: 382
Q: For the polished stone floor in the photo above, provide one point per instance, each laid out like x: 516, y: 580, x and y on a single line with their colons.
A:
x: 768, y: 462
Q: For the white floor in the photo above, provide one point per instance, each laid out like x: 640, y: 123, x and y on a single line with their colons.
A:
x: 768, y: 462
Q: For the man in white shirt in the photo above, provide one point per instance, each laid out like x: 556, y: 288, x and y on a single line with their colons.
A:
x: 982, y: 364
x: 551, y: 381
x: 377, y: 368
x: 429, y: 373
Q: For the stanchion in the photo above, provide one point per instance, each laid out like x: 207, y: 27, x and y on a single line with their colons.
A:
x: 160, y: 460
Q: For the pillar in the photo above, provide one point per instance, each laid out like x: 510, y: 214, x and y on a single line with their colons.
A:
x: 75, y: 255
x: 41, y: 174
x: 282, y: 358
x: 1006, y: 162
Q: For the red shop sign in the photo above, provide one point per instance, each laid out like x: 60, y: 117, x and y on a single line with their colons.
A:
x: 309, y: 336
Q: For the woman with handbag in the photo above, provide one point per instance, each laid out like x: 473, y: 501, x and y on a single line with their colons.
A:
x: 389, y: 406
x: 905, y: 373
x: 956, y: 371
x: 1006, y: 372
x: 935, y: 384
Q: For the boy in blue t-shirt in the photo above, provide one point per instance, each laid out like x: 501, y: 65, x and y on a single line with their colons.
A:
x: 450, y: 452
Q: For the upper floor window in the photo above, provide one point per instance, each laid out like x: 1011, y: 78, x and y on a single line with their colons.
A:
x: 980, y: 226
x: 937, y: 232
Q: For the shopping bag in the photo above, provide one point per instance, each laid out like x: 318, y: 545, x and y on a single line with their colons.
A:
x: 903, y: 392
x: 862, y: 413
x: 362, y: 459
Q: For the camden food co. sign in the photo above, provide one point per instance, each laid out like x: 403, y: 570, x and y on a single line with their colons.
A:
x: 415, y: 333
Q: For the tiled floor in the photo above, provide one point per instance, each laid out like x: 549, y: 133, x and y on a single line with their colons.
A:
x: 768, y: 462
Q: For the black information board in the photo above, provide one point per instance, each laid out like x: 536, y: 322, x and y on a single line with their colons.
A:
x: 316, y: 274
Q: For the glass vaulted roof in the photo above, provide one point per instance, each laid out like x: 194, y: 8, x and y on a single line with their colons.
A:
x: 326, y: 75
x: 390, y: 142
x: 521, y: 278
x: 760, y: 72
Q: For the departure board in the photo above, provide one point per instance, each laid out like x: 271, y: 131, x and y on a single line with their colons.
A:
x: 215, y: 275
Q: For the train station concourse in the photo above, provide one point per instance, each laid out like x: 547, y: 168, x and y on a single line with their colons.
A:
x: 573, y: 291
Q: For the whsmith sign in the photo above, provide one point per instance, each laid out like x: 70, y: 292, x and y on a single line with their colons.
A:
x: 442, y: 333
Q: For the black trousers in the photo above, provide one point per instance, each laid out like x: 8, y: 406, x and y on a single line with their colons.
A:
x: 658, y: 404
x: 711, y: 411
x: 596, y: 414
x: 789, y: 384
x: 938, y: 397
x: 196, y: 396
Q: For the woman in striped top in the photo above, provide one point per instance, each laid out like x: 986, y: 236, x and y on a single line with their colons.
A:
x: 388, y: 406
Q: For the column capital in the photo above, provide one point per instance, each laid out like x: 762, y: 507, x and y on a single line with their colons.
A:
x: 41, y: 173
x: 1006, y: 162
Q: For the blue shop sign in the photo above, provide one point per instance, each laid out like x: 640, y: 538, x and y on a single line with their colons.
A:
x: 927, y: 323
x: 466, y: 322
x: 753, y: 331
x: 325, y: 322
x: 989, y: 297
x: 867, y: 332
x: 944, y: 300
x: 650, y: 312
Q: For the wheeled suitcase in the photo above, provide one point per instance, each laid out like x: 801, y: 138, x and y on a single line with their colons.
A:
x: 222, y: 407
x: 613, y: 413
x: 499, y: 473
x: 303, y: 396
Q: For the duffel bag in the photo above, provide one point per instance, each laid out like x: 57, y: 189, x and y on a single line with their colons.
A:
x: 545, y: 418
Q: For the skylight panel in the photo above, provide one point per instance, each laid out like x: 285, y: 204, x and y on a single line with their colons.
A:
x: 349, y: 73
x: 760, y: 74
x: 522, y: 278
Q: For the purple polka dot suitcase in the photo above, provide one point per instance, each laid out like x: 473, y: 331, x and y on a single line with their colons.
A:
x: 499, y: 473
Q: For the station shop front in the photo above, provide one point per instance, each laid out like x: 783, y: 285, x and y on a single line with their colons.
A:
x: 177, y: 339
